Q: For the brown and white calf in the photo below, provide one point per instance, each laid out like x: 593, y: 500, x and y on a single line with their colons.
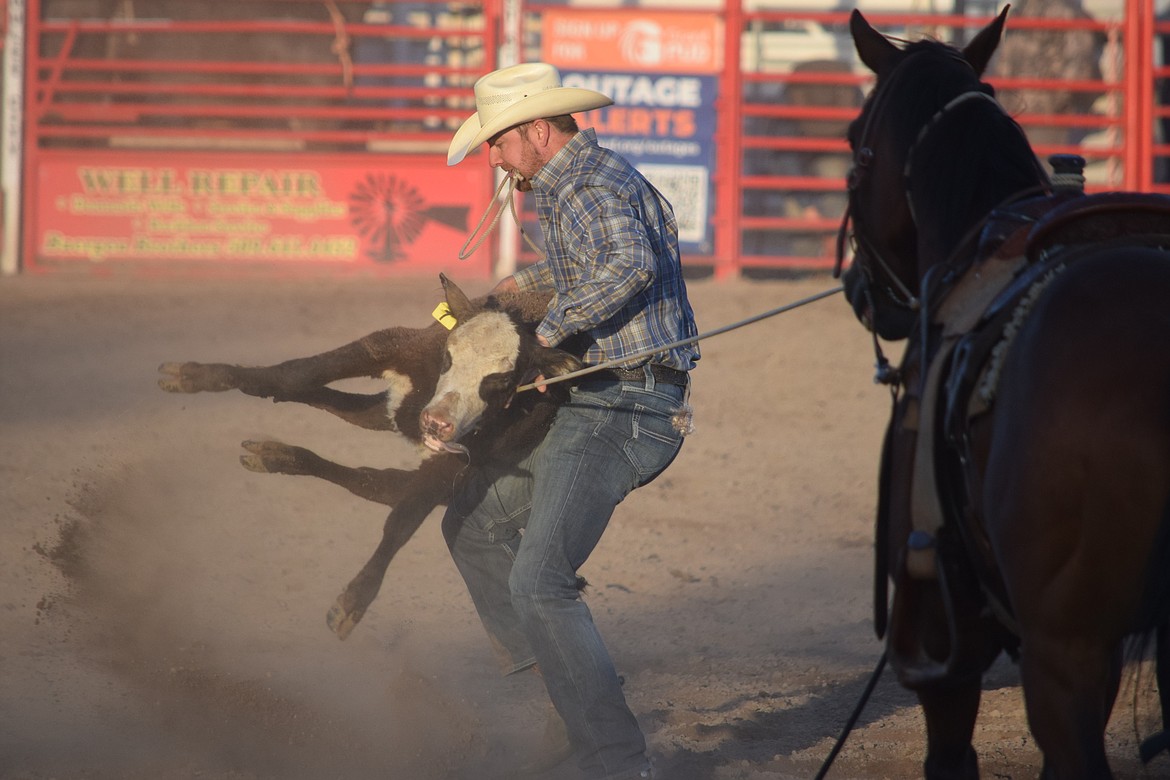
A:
x: 452, y: 391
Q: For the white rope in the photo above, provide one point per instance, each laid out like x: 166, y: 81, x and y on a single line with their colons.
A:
x: 510, y: 181
x: 524, y: 233
x: 681, y: 342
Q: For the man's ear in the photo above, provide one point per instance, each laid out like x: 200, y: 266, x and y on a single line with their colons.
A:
x: 542, y: 132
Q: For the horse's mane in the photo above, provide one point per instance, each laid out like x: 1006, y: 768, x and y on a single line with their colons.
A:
x: 974, y: 157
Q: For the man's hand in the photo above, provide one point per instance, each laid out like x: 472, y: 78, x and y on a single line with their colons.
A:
x: 506, y: 285
x: 540, y: 377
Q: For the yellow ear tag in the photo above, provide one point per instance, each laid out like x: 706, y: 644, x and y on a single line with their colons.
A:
x: 443, y: 314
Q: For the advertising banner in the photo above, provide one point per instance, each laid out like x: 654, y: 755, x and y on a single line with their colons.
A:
x: 662, y: 71
x: 372, y: 211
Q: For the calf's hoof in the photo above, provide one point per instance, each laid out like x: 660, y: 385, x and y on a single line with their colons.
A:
x: 195, y: 377
x: 342, y: 621
x: 272, y: 457
x: 350, y: 607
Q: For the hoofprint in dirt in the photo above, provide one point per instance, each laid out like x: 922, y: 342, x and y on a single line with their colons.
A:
x: 163, y: 608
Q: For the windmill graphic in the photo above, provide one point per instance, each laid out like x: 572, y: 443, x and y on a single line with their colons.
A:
x: 389, y: 214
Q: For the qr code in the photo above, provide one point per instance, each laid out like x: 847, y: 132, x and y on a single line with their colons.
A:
x: 687, y: 189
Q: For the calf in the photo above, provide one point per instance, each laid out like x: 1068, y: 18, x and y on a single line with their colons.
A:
x: 452, y: 391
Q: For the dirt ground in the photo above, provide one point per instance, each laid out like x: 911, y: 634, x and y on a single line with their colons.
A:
x: 163, y: 609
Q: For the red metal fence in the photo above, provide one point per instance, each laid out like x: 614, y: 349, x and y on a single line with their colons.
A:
x: 314, y: 133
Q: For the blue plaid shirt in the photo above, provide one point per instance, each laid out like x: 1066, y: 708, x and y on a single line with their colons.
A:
x: 612, y: 262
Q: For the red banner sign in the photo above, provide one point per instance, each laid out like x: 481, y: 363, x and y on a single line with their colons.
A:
x: 633, y: 41
x: 368, y: 211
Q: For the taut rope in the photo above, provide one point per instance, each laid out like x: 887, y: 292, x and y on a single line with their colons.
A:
x: 509, y: 183
x: 681, y: 342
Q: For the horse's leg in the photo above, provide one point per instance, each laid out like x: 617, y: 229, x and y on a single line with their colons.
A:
x: 382, y: 486
x: 1068, y: 689
x: 432, y: 486
x: 1156, y: 743
x: 950, y: 709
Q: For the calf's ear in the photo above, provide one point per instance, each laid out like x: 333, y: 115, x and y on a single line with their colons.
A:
x: 457, y: 300
x: 551, y: 362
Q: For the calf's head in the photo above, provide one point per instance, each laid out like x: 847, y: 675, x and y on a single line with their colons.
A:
x: 489, y: 353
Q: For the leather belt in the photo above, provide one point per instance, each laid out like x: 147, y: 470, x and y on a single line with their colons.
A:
x: 662, y: 374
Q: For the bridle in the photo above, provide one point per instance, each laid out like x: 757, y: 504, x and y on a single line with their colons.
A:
x: 869, y: 260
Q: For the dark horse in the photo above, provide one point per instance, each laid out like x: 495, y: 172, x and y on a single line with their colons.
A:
x: 1025, y: 485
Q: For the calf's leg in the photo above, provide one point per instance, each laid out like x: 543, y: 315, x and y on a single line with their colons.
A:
x: 382, y: 486
x: 278, y: 382
x: 432, y: 486
x: 406, y: 357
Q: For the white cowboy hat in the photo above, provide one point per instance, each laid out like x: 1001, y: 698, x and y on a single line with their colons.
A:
x: 511, y: 96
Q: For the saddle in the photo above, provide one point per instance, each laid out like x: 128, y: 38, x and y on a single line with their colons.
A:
x: 973, y: 323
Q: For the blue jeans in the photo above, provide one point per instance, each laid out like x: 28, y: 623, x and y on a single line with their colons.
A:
x: 519, y: 536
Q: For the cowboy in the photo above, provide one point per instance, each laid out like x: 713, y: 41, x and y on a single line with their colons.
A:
x: 617, y: 286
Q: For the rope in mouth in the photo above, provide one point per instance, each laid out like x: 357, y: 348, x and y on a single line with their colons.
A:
x: 510, y: 182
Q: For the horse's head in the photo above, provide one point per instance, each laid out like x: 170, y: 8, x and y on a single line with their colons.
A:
x: 915, y: 187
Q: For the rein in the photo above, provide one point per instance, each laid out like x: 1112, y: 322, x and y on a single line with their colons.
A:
x: 863, y: 159
x: 897, y: 290
x: 853, y: 717
x: 961, y: 98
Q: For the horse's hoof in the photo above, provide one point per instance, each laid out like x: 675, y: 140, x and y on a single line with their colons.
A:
x: 1152, y: 746
x: 341, y: 621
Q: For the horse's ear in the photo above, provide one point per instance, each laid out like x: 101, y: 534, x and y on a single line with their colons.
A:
x: 873, y: 48
x: 457, y: 301
x: 978, y: 52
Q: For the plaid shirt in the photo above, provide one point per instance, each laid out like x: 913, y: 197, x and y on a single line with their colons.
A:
x: 612, y: 258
